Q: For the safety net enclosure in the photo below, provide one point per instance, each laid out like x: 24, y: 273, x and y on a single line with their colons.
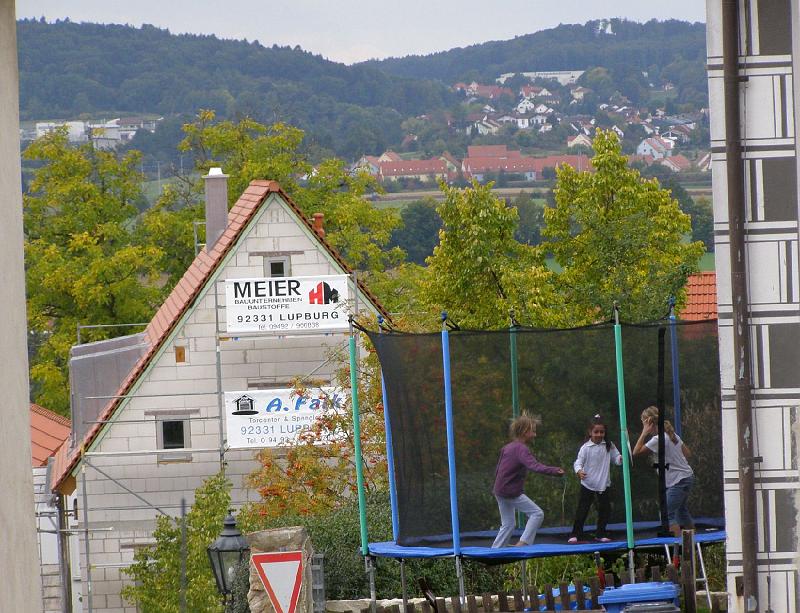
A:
x: 564, y: 376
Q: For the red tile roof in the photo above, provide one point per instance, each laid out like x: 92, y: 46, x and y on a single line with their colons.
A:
x: 183, y: 297
x: 413, y: 167
x: 701, y: 297
x: 48, y: 432
x: 578, y: 162
x: 477, y: 151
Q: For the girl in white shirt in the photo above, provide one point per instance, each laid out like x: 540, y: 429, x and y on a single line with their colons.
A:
x: 593, y: 469
x: 679, y: 475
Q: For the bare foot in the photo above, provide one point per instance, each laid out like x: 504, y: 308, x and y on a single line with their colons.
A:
x: 521, y: 544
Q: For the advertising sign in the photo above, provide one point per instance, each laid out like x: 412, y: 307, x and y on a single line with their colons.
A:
x: 286, y: 304
x: 272, y: 418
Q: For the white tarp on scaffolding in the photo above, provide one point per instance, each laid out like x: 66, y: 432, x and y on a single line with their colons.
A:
x: 277, y: 417
x: 287, y: 304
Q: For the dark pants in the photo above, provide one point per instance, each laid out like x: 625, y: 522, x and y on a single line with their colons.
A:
x: 585, y: 501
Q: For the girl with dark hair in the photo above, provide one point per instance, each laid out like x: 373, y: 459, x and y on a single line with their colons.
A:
x: 593, y: 469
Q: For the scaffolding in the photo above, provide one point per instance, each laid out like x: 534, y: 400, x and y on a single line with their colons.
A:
x: 88, y: 457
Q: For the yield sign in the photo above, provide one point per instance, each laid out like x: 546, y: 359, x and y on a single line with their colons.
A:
x: 282, y: 575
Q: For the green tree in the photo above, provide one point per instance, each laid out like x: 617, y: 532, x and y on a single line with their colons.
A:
x: 83, y: 261
x: 618, y: 238
x: 420, y: 231
x: 479, y: 272
x: 248, y: 150
x: 156, y: 570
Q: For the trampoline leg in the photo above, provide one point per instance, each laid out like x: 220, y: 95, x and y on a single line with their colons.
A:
x: 524, y: 576
x: 403, y: 584
x: 631, y: 569
x: 369, y: 561
x: 462, y: 595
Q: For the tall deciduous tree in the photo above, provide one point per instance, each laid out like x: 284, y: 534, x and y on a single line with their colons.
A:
x: 248, y: 150
x: 83, y: 263
x: 618, y: 238
x: 479, y: 272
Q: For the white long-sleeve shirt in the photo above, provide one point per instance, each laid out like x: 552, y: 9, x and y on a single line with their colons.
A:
x: 594, y: 459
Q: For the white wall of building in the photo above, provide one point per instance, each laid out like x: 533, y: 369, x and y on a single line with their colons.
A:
x: 266, y: 362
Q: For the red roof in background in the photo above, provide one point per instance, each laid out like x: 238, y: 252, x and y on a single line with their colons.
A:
x: 474, y: 165
x: 48, y: 431
x: 578, y: 162
x: 701, y: 297
x: 494, y: 151
x: 183, y: 297
x: 413, y: 167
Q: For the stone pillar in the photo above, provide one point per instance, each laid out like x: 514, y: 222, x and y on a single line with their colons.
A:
x: 19, y: 568
x: 275, y: 540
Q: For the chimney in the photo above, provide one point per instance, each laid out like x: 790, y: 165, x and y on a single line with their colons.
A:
x: 216, y: 206
x: 319, y: 224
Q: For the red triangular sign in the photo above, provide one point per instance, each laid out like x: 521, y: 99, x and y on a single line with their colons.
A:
x: 281, y: 573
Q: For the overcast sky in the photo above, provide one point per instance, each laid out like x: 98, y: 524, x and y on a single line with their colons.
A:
x: 351, y: 30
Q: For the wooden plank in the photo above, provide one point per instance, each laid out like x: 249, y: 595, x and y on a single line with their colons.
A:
x: 535, y: 602
x: 519, y: 603
x: 395, y: 608
x: 502, y: 601
x: 655, y: 573
x: 549, y: 600
x: 687, y: 572
x: 672, y: 573
x: 410, y: 607
x: 441, y: 606
x: 426, y: 607
x: 640, y: 575
x: 563, y: 594
x: 455, y: 604
x: 472, y: 604
x: 487, y: 603
x: 594, y: 591
x: 610, y: 579
x: 715, y: 605
x: 580, y: 596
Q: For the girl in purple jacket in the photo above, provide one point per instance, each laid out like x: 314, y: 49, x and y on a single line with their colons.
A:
x: 515, y: 461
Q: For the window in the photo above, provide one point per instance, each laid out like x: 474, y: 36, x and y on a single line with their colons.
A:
x: 276, y: 267
x: 180, y: 354
x: 172, y: 434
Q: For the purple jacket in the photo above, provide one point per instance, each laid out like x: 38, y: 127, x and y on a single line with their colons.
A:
x: 515, y: 461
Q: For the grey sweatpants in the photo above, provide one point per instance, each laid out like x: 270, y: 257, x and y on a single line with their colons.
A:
x: 525, y: 505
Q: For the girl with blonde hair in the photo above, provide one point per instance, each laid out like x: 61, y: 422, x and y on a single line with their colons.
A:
x: 513, y: 465
x: 679, y: 475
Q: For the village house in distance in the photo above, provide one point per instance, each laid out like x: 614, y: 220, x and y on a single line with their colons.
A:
x: 156, y: 413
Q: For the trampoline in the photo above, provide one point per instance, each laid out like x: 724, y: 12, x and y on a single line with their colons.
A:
x: 449, y: 398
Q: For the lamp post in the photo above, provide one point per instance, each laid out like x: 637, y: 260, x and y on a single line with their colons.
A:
x: 225, y: 554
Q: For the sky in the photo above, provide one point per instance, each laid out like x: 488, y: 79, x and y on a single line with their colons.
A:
x: 350, y: 30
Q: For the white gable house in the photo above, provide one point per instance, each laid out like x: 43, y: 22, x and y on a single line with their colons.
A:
x: 159, y: 428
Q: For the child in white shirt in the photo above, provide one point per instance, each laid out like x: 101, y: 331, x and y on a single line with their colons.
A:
x: 593, y: 469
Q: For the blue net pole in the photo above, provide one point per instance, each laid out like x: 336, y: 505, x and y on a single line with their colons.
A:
x: 451, y: 444
x: 389, y: 455
x: 676, y: 376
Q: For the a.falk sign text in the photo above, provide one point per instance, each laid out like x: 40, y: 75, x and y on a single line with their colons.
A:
x: 272, y: 418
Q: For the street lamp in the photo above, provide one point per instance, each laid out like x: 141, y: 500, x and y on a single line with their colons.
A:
x: 226, y: 553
